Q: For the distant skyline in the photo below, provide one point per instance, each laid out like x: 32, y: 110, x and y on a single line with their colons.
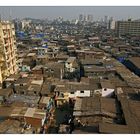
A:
x: 69, y: 12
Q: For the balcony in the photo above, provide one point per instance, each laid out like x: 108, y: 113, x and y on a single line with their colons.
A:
x: 13, y: 32
x: 4, y: 27
x: 1, y: 61
x: 7, y: 51
x: 8, y: 59
x: 6, y: 44
x: 5, y: 35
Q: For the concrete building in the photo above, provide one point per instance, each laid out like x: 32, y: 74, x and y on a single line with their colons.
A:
x: 1, y: 66
x: 71, y: 64
x: 81, y: 17
x: 89, y: 18
x: 128, y: 27
x: 41, y: 51
x: 106, y: 21
x: 112, y: 24
x: 55, y: 70
x: 39, y: 27
x: 25, y: 24
x: 7, y: 50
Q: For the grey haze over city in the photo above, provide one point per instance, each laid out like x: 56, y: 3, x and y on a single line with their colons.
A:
x: 69, y: 12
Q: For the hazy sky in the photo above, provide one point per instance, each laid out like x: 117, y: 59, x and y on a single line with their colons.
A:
x: 69, y: 12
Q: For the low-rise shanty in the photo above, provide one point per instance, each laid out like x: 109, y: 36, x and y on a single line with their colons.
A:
x: 21, y: 85
x: 5, y: 94
x: 54, y: 70
x: 71, y: 64
x: 91, y: 111
x: 35, y: 87
x: 35, y: 117
x: 44, y: 102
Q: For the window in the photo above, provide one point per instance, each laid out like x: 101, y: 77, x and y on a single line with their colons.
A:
x: 105, y: 89
x: 34, y: 92
x: 51, y: 70
x: 82, y: 91
x: 72, y: 92
x: 21, y: 85
x: 62, y: 95
x: 22, y: 92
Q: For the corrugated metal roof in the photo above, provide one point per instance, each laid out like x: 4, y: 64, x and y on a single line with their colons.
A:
x: 114, y: 129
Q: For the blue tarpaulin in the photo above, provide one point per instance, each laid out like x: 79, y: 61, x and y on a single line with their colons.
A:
x: 39, y: 35
x: 121, y: 59
x: 21, y: 34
